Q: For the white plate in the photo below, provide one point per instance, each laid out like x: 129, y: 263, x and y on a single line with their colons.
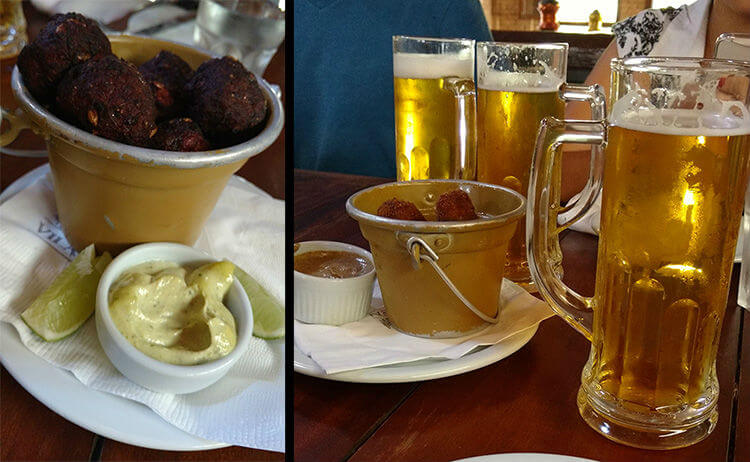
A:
x: 29, y: 177
x: 524, y: 457
x: 21, y: 183
x: 417, y: 371
x: 108, y: 415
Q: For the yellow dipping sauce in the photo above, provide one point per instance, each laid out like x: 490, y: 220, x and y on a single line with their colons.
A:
x: 173, y: 315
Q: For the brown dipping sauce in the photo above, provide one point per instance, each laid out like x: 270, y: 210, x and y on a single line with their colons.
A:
x: 332, y: 264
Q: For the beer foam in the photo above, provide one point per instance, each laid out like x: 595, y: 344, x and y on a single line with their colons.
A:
x: 684, y: 122
x: 430, y: 66
x: 519, y: 82
x: 706, y: 114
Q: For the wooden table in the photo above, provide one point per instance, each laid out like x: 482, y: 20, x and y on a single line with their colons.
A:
x: 524, y: 403
x: 31, y: 431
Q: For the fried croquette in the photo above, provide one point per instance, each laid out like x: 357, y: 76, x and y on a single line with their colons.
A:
x: 108, y: 97
x: 226, y: 101
x: 400, y: 210
x: 455, y: 206
x: 65, y: 41
x: 179, y: 135
x: 167, y: 74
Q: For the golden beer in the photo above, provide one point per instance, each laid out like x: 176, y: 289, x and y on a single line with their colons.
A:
x: 508, y: 121
x: 12, y: 28
x: 671, y: 207
x: 425, y: 112
x: 13, y: 37
x: 671, y: 163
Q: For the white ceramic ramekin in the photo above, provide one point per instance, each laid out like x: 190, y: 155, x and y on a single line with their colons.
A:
x: 332, y: 301
x: 149, y: 372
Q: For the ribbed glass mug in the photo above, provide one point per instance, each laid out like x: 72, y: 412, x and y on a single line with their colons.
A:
x: 737, y: 46
x: 519, y: 84
x: 672, y: 176
x: 435, y: 108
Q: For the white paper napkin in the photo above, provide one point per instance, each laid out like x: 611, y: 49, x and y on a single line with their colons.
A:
x: 369, y: 343
x: 589, y: 222
x: 244, y: 408
x: 105, y: 12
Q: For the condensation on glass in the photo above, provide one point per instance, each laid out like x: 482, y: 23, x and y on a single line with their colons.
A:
x: 672, y: 179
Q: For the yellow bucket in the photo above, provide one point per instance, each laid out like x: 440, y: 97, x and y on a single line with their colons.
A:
x: 117, y: 195
x: 439, y: 278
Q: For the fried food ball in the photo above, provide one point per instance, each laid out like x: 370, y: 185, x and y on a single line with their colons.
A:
x: 225, y: 101
x: 455, y: 206
x: 65, y: 41
x: 108, y: 97
x: 400, y: 210
x: 167, y: 74
x: 179, y: 135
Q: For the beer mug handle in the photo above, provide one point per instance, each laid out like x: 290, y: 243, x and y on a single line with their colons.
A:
x: 594, y: 95
x: 465, y: 133
x: 575, y: 309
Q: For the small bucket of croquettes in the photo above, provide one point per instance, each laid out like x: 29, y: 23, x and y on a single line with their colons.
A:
x: 143, y: 134
x: 439, y: 251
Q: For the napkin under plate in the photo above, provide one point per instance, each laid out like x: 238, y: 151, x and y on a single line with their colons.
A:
x: 369, y: 343
x: 244, y: 408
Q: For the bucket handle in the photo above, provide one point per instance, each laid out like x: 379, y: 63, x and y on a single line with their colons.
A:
x: 413, y: 245
x: 15, y: 126
x: 16, y: 122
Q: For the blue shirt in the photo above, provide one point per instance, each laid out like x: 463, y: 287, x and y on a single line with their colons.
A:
x: 343, y: 75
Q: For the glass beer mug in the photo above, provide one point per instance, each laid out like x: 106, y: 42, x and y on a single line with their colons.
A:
x: 733, y: 46
x: 518, y: 87
x: 672, y: 176
x: 435, y: 108
x: 519, y: 84
x: 737, y: 46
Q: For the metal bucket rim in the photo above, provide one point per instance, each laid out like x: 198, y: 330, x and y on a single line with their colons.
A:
x: 57, y: 127
x: 436, y: 226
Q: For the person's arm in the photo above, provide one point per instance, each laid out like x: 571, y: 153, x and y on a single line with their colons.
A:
x: 575, y: 167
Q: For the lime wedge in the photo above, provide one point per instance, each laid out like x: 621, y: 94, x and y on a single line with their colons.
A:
x: 268, y: 313
x: 69, y: 301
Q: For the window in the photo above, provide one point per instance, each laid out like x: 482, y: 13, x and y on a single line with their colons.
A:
x: 578, y: 11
